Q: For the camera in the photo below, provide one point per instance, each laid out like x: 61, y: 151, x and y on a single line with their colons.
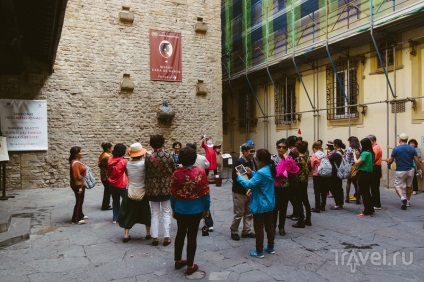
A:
x: 205, y: 231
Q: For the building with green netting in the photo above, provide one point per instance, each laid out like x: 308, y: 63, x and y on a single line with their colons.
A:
x: 322, y: 69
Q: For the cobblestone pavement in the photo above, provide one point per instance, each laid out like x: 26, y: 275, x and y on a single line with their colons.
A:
x: 340, y: 246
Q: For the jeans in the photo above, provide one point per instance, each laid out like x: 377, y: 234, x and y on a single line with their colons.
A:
x: 260, y: 221
x: 241, y: 210
x: 160, y: 209
x: 117, y: 193
x: 188, y: 225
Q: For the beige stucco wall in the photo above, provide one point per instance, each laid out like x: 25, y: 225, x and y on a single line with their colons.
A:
x: 85, y: 104
x: 372, y: 90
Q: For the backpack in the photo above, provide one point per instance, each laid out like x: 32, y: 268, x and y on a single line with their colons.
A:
x: 325, y: 169
x: 343, y: 171
x: 89, y: 180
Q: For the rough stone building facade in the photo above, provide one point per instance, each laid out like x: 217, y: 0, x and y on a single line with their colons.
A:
x: 85, y: 103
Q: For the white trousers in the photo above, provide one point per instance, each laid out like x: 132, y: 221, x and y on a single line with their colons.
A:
x: 160, y: 209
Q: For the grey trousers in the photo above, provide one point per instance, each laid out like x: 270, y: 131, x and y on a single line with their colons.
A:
x: 241, y: 210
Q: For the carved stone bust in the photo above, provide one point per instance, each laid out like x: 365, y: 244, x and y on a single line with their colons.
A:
x: 165, y: 107
x: 165, y: 112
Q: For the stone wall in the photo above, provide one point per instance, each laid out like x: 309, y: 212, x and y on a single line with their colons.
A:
x: 85, y: 103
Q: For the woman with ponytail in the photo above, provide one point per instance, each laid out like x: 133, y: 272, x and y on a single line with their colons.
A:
x: 262, y: 200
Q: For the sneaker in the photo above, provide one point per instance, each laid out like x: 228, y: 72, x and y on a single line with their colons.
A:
x: 336, y: 208
x: 235, y: 237
x: 85, y: 217
x: 180, y: 264
x: 408, y: 204
x: 114, y: 221
x: 377, y: 208
x: 414, y: 193
x: 403, y: 206
x: 256, y: 254
x: 269, y: 250
x: 250, y: 235
x: 210, y: 229
x: 82, y: 221
x: 191, y: 270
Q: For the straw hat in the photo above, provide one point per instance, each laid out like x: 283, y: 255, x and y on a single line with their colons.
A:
x: 136, y: 150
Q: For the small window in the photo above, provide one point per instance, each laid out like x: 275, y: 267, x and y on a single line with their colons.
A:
x: 246, y: 104
x: 285, y: 102
x: 341, y: 95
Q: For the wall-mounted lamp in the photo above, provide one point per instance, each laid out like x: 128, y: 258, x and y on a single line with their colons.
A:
x: 125, y: 15
x: 364, y: 109
x: 412, y: 45
x: 200, y: 26
x: 414, y: 104
x: 127, y: 84
x: 201, y: 88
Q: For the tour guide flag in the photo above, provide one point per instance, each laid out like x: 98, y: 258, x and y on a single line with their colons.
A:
x: 165, y: 55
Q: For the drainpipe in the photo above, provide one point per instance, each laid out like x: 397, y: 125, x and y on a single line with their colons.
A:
x: 378, y: 52
x: 332, y: 62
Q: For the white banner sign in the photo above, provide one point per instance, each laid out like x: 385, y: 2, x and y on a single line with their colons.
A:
x: 24, y: 123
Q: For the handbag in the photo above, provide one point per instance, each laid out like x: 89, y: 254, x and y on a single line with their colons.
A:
x: 353, y: 171
x: 89, y: 180
x: 135, y: 193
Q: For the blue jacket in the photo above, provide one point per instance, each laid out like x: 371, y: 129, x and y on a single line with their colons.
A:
x: 262, y: 183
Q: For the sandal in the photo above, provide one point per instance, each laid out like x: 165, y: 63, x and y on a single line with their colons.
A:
x: 166, y: 241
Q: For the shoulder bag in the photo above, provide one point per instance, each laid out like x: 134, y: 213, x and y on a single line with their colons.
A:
x: 135, y: 193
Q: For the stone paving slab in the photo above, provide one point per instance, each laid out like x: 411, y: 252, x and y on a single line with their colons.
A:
x: 18, y: 230
x: 330, y: 250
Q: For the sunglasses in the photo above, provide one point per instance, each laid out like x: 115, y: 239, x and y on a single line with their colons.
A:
x: 252, y: 151
x: 281, y: 147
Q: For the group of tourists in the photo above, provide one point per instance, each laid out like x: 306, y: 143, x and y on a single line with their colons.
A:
x: 152, y: 185
x: 159, y: 184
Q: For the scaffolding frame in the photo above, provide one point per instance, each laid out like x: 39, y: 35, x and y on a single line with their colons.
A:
x: 301, y: 45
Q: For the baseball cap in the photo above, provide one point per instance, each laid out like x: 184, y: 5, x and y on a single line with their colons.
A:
x: 403, y: 136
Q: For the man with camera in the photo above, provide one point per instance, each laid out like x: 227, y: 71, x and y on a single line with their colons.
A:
x: 241, y: 201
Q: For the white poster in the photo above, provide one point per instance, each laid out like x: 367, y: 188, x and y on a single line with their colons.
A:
x: 24, y: 123
x: 4, y: 155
